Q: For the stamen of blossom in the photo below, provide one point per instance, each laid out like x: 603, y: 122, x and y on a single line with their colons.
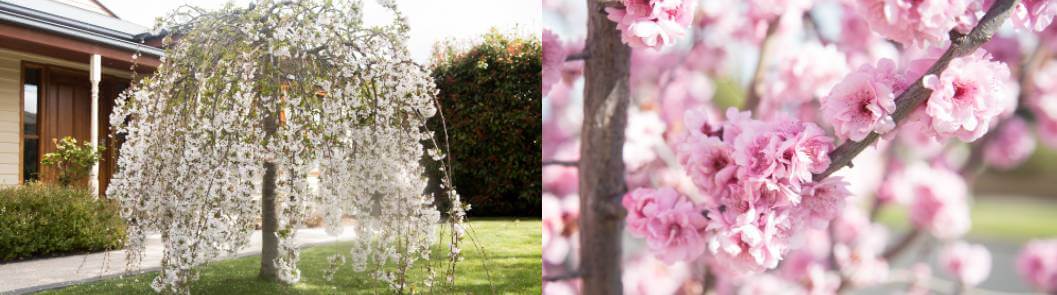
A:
x: 652, y: 23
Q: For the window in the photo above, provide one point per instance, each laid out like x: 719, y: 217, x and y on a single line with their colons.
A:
x: 30, y: 124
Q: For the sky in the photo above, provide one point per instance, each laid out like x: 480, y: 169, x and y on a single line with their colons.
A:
x: 431, y: 20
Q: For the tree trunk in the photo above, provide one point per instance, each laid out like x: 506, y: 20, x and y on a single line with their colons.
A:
x: 269, y: 214
x: 601, y: 153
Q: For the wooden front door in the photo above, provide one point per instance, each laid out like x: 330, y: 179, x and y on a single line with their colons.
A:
x: 65, y: 111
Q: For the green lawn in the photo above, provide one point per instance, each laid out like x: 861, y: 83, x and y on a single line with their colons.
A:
x: 1000, y: 218
x: 513, y: 262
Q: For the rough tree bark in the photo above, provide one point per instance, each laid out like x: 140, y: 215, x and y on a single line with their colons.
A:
x: 269, y: 214
x: 601, y: 163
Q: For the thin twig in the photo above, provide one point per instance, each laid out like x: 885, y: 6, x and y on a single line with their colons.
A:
x: 752, y: 100
x: 916, y: 94
x: 562, y: 277
x: 561, y: 163
x: 582, y: 55
x: 901, y: 245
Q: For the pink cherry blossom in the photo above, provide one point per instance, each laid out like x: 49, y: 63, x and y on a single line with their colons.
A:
x: 710, y: 164
x: 1033, y: 15
x: 966, y: 97
x: 641, y: 205
x: 1037, y: 264
x: 644, y: 275
x: 969, y: 264
x: 652, y: 23
x: 913, y: 23
x: 553, y: 57
x: 1011, y: 145
x: 864, y: 101
x: 559, y: 219
x: 674, y: 227
x: 804, y: 74
x: 938, y: 200
x: 823, y: 201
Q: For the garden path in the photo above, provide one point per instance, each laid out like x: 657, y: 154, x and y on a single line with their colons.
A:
x: 40, y: 274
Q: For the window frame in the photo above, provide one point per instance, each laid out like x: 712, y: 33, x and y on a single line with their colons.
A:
x: 22, y: 136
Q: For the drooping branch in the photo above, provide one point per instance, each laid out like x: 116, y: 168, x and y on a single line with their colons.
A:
x: 752, y: 99
x: 916, y: 94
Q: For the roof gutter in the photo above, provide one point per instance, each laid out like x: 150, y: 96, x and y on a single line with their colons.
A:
x: 8, y: 14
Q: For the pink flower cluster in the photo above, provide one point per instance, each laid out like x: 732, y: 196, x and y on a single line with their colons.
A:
x: 757, y: 176
x: 1037, y: 264
x: 914, y: 22
x: 966, y: 98
x: 864, y: 101
x: 553, y: 57
x: 803, y: 75
x: 1012, y: 144
x: 673, y: 226
x: 969, y: 264
x: 1033, y: 15
x: 652, y: 23
x: 937, y: 199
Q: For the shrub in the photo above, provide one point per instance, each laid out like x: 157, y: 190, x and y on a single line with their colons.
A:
x: 72, y: 161
x: 44, y: 220
x: 490, y: 94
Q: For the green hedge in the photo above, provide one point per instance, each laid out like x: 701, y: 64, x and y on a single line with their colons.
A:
x: 39, y: 220
x: 491, y: 96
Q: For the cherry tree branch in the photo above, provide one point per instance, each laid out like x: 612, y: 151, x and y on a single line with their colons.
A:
x: 916, y: 94
x: 903, y: 244
x: 752, y: 100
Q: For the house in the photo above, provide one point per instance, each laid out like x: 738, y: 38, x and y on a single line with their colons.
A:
x: 62, y: 64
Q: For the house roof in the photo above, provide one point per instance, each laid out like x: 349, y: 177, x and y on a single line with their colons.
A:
x: 76, y: 22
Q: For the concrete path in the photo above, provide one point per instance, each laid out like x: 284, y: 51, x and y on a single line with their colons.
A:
x: 41, y: 274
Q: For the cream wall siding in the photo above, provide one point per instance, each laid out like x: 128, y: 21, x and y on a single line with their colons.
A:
x: 10, y: 68
x: 10, y: 112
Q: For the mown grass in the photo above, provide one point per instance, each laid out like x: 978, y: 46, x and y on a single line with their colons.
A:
x: 509, y: 264
x: 997, y: 218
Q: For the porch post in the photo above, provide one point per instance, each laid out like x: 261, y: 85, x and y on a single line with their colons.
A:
x: 93, y: 178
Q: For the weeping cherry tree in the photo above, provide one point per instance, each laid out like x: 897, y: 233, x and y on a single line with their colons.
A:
x: 245, y: 104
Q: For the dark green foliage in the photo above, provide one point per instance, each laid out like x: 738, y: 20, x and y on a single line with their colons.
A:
x: 491, y: 96
x: 39, y: 220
